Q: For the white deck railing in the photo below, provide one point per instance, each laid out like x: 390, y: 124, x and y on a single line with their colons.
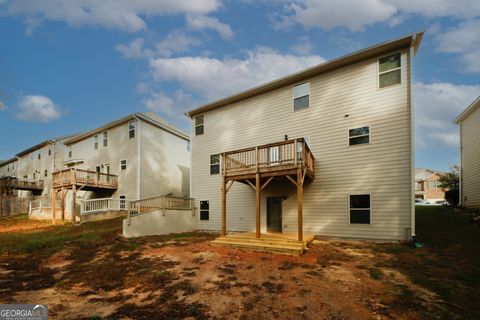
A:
x: 163, y: 203
x: 104, y: 205
x: 39, y: 205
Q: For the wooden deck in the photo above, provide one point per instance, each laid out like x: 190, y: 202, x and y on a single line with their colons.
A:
x: 84, y: 179
x: 278, y: 243
x: 12, y: 183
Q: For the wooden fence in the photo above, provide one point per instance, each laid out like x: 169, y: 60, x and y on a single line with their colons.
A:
x: 10, y: 205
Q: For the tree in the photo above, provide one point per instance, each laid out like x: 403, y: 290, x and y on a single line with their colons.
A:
x: 450, y: 183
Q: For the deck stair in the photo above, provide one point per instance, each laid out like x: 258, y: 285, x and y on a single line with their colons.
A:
x: 284, y: 244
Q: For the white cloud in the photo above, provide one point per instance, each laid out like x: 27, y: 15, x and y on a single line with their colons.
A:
x: 37, y: 108
x: 175, y: 42
x: 352, y: 15
x: 436, y: 106
x: 171, y: 106
x: 2, y: 106
x: 303, y: 47
x: 463, y: 40
x: 124, y: 15
x: 356, y: 15
x: 206, y: 22
x: 132, y: 50
x: 214, y: 78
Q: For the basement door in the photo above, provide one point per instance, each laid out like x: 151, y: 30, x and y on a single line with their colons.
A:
x: 274, y: 214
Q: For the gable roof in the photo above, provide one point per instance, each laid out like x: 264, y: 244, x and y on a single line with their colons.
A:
x: 468, y: 111
x: 411, y: 40
x: 149, y: 117
x: 5, y: 162
x: 424, y: 173
x: 43, y: 143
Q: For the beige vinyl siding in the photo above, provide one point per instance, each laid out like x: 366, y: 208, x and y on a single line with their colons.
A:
x: 165, y: 163
x: 120, y: 147
x: 470, y: 133
x: 382, y: 168
x: 9, y: 169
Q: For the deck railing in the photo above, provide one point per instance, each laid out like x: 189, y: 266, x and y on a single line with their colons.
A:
x: 104, y: 205
x: 21, y: 184
x: 39, y: 205
x: 165, y: 202
x: 84, y: 177
x: 292, y: 153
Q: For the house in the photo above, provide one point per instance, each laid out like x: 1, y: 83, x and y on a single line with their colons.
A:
x: 29, y: 172
x: 469, y: 123
x: 326, y: 151
x: 135, y: 157
x: 427, y: 185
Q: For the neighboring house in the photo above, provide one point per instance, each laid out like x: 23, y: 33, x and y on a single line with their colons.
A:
x: 8, y: 170
x: 149, y: 156
x: 427, y: 185
x: 327, y: 150
x: 469, y: 122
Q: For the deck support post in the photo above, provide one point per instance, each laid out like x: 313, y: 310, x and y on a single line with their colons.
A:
x: 300, y: 203
x: 54, y: 198
x: 62, y: 204
x: 74, y: 196
x: 224, y: 206
x: 258, y: 189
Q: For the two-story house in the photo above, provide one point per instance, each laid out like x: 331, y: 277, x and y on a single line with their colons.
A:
x: 469, y: 123
x: 135, y: 157
x: 327, y: 151
x: 427, y: 185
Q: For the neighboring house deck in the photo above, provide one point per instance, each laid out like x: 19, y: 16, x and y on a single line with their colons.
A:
x: 84, y: 179
x: 12, y: 183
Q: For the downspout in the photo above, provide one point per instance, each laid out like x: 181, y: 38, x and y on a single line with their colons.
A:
x: 460, y: 178
x: 412, y: 145
x: 139, y: 148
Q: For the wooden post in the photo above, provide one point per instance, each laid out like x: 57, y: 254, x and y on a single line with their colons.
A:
x: 224, y: 205
x: 300, y: 203
x: 258, y: 189
x: 62, y: 204
x: 54, y: 196
x: 295, y: 154
x: 74, y: 196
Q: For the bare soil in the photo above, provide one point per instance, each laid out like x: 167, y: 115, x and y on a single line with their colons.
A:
x: 183, y: 277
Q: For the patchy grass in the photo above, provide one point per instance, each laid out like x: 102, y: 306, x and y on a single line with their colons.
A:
x: 90, y: 272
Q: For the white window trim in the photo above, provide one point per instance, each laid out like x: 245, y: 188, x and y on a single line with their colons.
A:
x: 371, y: 209
x: 134, y: 129
x: 95, y: 142
x: 384, y: 72
x: 200, y: 211
x: 198, y: 125
x: 309, y: 96
x: 362, y: 135
x: 103, y: 139
x: 126, y: 164
x: 219, y: 164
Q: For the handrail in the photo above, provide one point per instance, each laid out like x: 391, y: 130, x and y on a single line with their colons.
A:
x: 86, y: 177
x: 164, y: 202
x: 104, y: 205
x: 292, y: 153
x: 42, y: 204
x: 14, y: 182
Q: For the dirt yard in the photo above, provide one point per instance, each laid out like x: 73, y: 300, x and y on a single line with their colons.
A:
x: 90, y: 271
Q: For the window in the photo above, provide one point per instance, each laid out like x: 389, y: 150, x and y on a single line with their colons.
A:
x: 49, y: 152
x: 301, y: 96
x: 46, y: 173
x: 199, y: 125
x: 95, y: 142
x: 39, y: 156
x: 131, y: 129
x: 360, y: 209
x: 34, y: 176
x: 69, y: 148
x: 122, y: 203
x: 98, y: 169
x: 389, y: 70
x: 188, y: 146
x: 359, y: 136
x: 123, y: 164
x: 215, y: 164
x: 204, y: 210
x: 105, y: 138
x: 25, y: 177
x: 433, y: 184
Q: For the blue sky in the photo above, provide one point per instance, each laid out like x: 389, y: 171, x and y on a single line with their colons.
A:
x: 69, y: 66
